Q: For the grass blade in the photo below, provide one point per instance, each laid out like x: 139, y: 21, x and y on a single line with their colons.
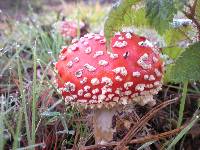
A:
x: 34, y: 94
x: 182, y: 103
x: 21, y: 87
x: 183, y: 132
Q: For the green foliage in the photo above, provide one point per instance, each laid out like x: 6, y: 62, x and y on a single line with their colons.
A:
x: 187, y: 65
x: 172, y: 38
x: 183, y: 132
x: 160, y: 13
x: 115, y: 19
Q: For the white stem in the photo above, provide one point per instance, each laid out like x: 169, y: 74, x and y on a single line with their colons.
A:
x: 102, y: 123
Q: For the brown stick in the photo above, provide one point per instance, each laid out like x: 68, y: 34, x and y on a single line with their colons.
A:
x: 133, y: 131
x: 140, y: 140
x: 191, y: 15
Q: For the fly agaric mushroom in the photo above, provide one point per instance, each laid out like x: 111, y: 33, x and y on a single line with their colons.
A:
x: 91, y: 76
x: 70, y: 28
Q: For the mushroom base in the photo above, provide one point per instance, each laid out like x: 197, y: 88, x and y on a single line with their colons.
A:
x: 102, y: 123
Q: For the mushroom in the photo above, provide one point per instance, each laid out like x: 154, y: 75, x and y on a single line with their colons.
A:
x: 70, y: 28
x: 92, y: 77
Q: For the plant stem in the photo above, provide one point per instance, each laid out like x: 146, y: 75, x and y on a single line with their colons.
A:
x: 182, y: 103
x: 102, y: 123
x: 34, y: 95
x: 17, y: 134
x: 21, y: 87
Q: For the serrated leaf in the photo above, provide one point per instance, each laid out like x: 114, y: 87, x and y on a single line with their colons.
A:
x: 115, y: 19
x: 186, y: 67
x: 136, y: 18
x: 160, y: 13
x: 172, y: 38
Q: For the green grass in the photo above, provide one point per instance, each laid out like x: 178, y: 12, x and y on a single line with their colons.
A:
x: 183, y: 132
x: 182, y: 103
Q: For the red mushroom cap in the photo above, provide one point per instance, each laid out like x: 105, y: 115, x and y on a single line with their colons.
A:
x: 92, y: 76
x: 69, y: 28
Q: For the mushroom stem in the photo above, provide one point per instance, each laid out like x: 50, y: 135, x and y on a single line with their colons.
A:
x: 102, y: 123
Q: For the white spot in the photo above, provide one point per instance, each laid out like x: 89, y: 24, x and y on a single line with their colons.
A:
x: 125, y: 55
x: 141, y: 61
x: 120, y: 44
x: 69, y: 64
x: 158, y: 73
x: 88, y: 50
x: 127, y: 93
x: 144, y: 56
x: 98, y: 53
x: 140, y: 87
x: 82, y: 39
x: 155, y: 60
x: 95, y: 91
x: 82, y: 100
x: 149, y: 86
x: 120, y: 70
x: 94, y: 97
x: 124, y: 100
x: 63, y: 56
x: 103, y: 63
x: 69, y: 87
x: 110, y: 96
x: 113, y: 56
x: 74, y: 40
x: 73, y: 47
x: 105, y: 90
x: 146, y: 77
x: 127, y: 85
x: 69, y: 98
x: 117, y: 33
x: 87, y: 95
x: 79, y: 73
x: 118, y: 91
x: 102, y: 41
x: 86, y: 88
x: 128, y: 35
x: 151, y: 78
x: 118, y: 78
x: 101, y: 97
x: 90, y: 35
x: 107, y: 80
x: 76, y: 59
x: 157, y: 83
x: 84, y: 80
x: 136, y: 74
x: 95, y: 81
x: 85, y: 43
x: 120, y: 38
x: 115, y: 99
x: 145, y: 43
x: 80, y: 92
x: 101, y: 33
x: 155, y: 50
x: 89, y: 67
x: 97, y: 37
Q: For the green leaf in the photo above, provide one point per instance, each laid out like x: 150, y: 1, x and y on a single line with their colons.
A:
x: 160, y: 13
x: 172, y: 39
x: 115, y: 19
x: 187, y: 65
